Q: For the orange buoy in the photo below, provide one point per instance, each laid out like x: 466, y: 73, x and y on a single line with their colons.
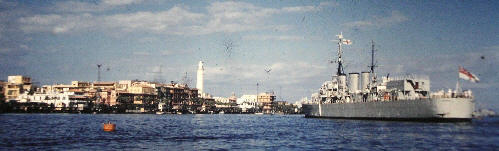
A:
x: 387, y: 96
x: 109, y: 127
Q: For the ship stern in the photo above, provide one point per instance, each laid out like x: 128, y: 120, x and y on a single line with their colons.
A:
x: 454, y: 108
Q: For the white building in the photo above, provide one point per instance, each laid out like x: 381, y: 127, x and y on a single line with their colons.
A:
x: 200, y: 78
x: 247, y: 102
x: 221, y: 99
x: 59, y: 100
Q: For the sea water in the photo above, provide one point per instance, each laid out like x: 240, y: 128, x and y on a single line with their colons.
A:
x: 237, y: 132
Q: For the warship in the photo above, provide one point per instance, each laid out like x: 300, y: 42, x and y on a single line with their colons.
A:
x: 405, y: 98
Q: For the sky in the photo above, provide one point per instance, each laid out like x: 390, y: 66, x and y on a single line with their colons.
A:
x: 239, y: 41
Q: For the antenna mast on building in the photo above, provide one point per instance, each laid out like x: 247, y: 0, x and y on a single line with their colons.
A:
x: 186, y: 80
x: 158, y: 74
x: 98, y: 72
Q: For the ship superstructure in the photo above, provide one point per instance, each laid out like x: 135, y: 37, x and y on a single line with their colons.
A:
x: 363, y: 96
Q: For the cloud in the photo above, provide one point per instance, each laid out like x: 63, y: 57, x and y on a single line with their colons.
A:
x: 494, y: 48
x: 240, y: 16
x: 23, y: 46
x: 5, y: 50
x: 121, y: 2
x: 327, y: 4
x: 296, y: 72
x: 76, y: 6
x: 271, y: 37
x: 225, y: 17
x: 79, y: 6
x: 141, y: 53
x: 379, y: 21
x: 282, y: 73
x: 300, y: 9
x: 178, y: 52
x: 169, y: 21
x: 57, y: 23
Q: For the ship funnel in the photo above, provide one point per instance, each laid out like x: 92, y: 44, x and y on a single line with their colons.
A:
x: 354, y: 82
x: 365, y: 81
x: 342, y: 82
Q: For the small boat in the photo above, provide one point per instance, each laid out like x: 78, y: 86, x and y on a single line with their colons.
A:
x: 109, y: 127
x: 259, y: 113
x: 159, y: 113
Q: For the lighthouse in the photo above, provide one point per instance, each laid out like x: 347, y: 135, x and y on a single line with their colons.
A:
x: 199, y: 82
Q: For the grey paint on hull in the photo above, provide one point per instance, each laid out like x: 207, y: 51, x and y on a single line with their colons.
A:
x: 442, y: 108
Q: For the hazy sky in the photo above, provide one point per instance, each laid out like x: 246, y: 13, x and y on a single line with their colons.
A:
x: 60, y: 41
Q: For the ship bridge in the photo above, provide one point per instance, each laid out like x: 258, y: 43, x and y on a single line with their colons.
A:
x: 409, y: 87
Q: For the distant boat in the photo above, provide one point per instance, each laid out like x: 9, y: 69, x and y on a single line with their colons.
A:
x: 221, y: 112
x: 159, y: 113
x: 260, y: 113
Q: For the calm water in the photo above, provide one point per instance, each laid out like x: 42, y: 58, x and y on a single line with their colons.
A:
x: 237, y: 132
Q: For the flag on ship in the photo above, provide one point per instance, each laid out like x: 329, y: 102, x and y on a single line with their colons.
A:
x: 465, y: 74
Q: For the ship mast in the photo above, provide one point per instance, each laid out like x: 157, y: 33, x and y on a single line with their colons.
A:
x: 372, y: 66
x: 341, y: 41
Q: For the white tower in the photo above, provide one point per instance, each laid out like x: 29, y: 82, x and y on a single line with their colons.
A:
x: 199, y: 82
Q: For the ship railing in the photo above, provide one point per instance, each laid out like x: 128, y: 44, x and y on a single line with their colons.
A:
x: 410, y: 76
x: 453, y: 95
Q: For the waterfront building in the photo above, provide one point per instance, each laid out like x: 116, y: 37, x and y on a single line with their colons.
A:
x: 123, y: 85
x: 162, y: 107
x: 179, y: 96
x: 208, y: 105
x: 104, y: 85
x: 136, y: 96
x: 61, y: 101
x: 107, y: 97
x: 81, y: 84
x: 284, y: 107
x: 247, y: 102
x: 265, y: 101
x: 15, y: 86
x: 123, y: 96
x: 226, y: 104
x: 233, y: 98
x: 65, y: 88
x: 221, y: 100
x: 141, y: 88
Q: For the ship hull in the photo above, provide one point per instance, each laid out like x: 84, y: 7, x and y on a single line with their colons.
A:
x: 441, y: 109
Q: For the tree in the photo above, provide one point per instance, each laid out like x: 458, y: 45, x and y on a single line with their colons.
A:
x: 3, y: 105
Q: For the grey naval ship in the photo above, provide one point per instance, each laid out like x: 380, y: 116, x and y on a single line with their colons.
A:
x: 406, y: 98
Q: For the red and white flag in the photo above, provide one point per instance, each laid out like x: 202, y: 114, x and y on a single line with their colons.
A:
x: 465, y: 74
x: 347, y: 42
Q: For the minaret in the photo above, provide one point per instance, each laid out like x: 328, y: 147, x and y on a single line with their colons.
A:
x: 199, y: 81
